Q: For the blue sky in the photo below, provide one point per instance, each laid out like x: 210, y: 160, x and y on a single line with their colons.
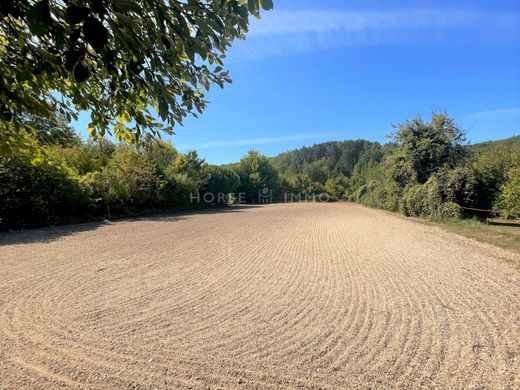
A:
x: 313, y: 71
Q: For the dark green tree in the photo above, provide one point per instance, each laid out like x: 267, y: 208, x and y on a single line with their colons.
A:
x: 221, y: 180
x: 256, y: 173
x: 53, y: 131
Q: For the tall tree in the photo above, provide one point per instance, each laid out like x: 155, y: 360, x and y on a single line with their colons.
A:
x: 428, y: 146
x: 256, y: 173
x: 115, y: 58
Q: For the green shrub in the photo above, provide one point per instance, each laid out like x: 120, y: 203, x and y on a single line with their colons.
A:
x: 183, y: 177
x: 428, y: 201
x: 492, y: 167
x: 360, y: 193
x: 89, y: 156
x: 378, y: 194
x: 128, y: 182
x: 459, y: 185
x: 256, y: 173
x: 509, y: 204
x: 417, y: 201
x: 161, y: 154
x: 39, y: 194
x: 448, y: 211
x: 221, y: 180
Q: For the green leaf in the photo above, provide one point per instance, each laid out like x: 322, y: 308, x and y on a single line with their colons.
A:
x: 39, y: 18
x: 127, y: 5
x: 163, y: 109
x: 59, y: 37
x: 77, y: 14
x: 252, y: 5
x: 81, y: 73
x: 72, y: 57
x: 267, y: 4
x: 127, y: 20
x: 95, y: 33
x: 142, y: 54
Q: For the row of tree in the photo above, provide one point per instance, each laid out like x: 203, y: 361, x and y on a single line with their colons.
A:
x: 426, y: 171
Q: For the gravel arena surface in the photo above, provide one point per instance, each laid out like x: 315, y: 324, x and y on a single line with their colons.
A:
x: 303, y: 295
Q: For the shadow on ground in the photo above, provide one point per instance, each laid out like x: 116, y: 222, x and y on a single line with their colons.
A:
x: 52, y: 233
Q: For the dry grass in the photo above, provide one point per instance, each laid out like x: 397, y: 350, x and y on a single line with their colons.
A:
x: 293, y: 296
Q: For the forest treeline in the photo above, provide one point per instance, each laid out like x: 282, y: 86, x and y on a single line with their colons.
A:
x: 426, y: 170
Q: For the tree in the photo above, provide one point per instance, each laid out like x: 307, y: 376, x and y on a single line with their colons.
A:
x: 161, y: 154
x: 256, y: 173
x: 509, y: 204
x: 116, y: 58
x: 127, y: 181
x: 426, y: 147
x: 88, y: 156
x: 38, y: 194
x: 183, y: 177
x: 53, y: 131
x: 334, y: 188
x: 221, y: 180
x: 492, y: 166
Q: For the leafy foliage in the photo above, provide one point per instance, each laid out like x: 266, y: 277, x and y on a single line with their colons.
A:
x: 221, y: 180
x: 509, y: 203
x: 73, y: 178
x: 183, y: 177
x: 256, y: 173
x: 127, y: 181
x: 38, y: 194
x: 424, y: 147
x: 116, y: 58
x: 426, y: 171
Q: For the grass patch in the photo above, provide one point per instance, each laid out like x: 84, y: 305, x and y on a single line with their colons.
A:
x: 505, y: 236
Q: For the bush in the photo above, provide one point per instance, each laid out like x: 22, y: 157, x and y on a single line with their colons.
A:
x: 492, y: 167
x: 221, y: 180
x: 428, y: 201
x: 448, y: 211
x: 88, y: 157
x: 418, y: 201
x: 459, y: 185
x: 335, y: 189
x: 39, y: 194
x: 256, y: 174
x: 378, y: 194
x: 509, y: 204
x: 161, y: 154
x: 359, y: 193
x: 128, y: 182
x: 185, y: 176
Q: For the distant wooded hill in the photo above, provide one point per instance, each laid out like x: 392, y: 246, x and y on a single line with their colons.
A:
x: 340, y: 157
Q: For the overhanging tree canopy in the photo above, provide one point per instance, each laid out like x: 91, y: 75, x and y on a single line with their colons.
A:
x: 116, y: 58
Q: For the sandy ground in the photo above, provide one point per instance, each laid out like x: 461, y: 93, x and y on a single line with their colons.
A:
x: 279, y: 296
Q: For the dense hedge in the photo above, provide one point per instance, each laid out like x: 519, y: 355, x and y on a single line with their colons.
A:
x: 431, y: 174
x: 426, y: 171
x: 39, y: 194
x: 102, y: 179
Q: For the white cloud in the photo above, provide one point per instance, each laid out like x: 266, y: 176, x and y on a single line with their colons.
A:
x: 284, y: 32
x: 256, y: 141
x: 285, y: 22
x: 499, y: 112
